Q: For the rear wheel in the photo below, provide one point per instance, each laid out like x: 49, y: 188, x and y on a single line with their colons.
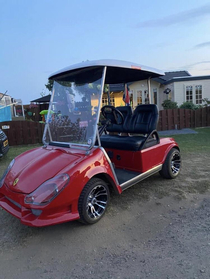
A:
x: 172, y: 165
x: 93, y: 201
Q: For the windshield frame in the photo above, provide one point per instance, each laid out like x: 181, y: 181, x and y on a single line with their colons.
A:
x: 70, y: 144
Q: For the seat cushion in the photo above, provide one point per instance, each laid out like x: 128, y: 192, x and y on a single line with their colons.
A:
x: 132, y: 143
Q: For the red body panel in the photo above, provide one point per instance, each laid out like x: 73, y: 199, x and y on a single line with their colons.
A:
x: 144, y: 160
x: 156, y: 155
x: 34, y: 167
x: 79, y: 166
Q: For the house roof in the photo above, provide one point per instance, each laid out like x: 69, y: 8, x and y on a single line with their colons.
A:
x: 45, y: 99
x: 175, y: 79
x: 171, y: 75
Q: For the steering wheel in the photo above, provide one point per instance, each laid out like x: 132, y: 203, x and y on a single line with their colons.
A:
x: 112, y: 114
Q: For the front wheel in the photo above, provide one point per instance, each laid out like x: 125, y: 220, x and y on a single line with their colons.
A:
x: 93, y: 201
x: 172, y: 165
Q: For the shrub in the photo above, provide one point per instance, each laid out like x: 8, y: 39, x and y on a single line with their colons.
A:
x: 189, y: 105
x: 168, y: 104
x: 206, y: 102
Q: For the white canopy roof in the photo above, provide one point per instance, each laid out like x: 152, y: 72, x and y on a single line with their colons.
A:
x: 117, y: 70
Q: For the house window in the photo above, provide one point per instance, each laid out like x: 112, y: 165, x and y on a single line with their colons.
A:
x: 139, y: 97
x: 154, y: 101
x: 105, y: 100
x: 189, y: 94
x: 112, y: 100
x: 198, y: 94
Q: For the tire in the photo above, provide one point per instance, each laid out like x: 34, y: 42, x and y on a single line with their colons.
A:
x: 93, y: 201
x: 172, y: 165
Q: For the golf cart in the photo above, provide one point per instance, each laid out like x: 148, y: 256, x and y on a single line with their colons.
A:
x: 71, y: 176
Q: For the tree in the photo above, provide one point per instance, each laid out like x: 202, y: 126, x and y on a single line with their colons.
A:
x: 49, y: 85
x: 43, y: 93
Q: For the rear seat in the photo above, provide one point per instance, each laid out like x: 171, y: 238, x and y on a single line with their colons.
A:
x: 140, y: 128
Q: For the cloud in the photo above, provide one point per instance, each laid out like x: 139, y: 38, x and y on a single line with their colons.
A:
x: 205, y: 44
x: 193, y: 66
x: 189, y: 67
x: 178, y: 18
x: 197, y: 63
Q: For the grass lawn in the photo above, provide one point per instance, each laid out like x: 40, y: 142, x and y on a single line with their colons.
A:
x: 199, y: 142
x: 189, y: 143
x: 12, y: 153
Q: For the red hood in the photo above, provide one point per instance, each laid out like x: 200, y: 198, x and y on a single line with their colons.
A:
x: 34, y: 167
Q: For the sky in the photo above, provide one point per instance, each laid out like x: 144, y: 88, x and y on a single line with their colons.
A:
x: 40, y: 37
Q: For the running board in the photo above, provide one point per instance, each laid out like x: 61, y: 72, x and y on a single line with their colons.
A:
x: 140, y: 177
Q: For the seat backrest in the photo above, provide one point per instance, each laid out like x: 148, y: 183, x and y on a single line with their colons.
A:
x: 144, y: 119
x: 127, y: 113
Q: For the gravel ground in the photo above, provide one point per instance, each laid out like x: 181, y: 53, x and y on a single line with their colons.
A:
x: 157, y: 229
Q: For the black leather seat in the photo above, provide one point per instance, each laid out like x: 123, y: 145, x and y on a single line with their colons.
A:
x: 127, y: 113
x: 141, y: 127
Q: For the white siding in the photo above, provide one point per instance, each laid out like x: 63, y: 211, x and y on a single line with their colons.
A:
x: 163, y: 96
x: 142, y: 86
x: 177, y: 88
x: 180, y: 88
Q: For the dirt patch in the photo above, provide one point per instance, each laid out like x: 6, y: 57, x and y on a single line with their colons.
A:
x: 157, y: 229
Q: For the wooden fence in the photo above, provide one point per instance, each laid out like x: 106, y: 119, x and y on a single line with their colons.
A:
x: 23, y: 132
x: 29, y: 132
x: 183, y: 118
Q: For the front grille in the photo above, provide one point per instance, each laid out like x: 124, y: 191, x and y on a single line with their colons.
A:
x: 2, y: 135
x: 4, y: 149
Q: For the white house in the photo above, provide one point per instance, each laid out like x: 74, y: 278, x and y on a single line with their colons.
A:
x: 178, y: 86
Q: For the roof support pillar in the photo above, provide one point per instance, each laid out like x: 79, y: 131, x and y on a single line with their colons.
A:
x: 149, y: 90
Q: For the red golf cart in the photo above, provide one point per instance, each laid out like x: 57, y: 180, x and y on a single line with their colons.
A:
x: 71, y: 176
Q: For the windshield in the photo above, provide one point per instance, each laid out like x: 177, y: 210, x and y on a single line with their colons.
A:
x: 74, y: 111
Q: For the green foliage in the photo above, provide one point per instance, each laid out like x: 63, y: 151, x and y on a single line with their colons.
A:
x: 189, y: 105
x: 42, y: 93
x: 106, y: 87
x: 168, y: 104
x: 206, y: 102
x: 49, y: 85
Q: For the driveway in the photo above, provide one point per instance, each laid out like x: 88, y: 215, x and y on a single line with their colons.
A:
x: 157, y: 229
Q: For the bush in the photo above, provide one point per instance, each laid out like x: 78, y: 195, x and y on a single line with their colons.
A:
x: 168, y: 104
x: 206, y: 102
x: 189, y: 105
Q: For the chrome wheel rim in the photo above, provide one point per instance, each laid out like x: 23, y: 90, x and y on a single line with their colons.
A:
x: 97, y: 202
x: 176, y: 163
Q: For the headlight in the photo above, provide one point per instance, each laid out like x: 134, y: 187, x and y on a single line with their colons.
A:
x: 47, y: 191
x: 6, y: 172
